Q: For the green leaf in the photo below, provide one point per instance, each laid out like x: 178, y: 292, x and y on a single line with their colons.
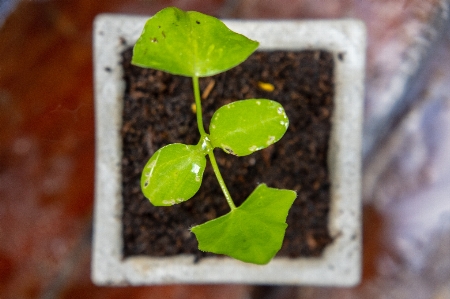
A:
x: 243, y: 127
x: 253, y: 232
x: 173, y: 174
x: 190, y: 44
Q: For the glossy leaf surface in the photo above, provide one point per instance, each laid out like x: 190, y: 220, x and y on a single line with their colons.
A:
x: 243, y: 127
x: 190, y: 44
x: 253, y: 232
x: 173, y: 174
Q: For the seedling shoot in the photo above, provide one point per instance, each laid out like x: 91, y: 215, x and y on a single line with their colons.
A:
x: 196, y: 45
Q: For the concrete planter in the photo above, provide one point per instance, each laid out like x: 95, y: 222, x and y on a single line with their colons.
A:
x: 341, y: 262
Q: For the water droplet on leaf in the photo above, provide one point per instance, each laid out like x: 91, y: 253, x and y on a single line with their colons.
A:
x: 280, y: 110
x: 271, y: 140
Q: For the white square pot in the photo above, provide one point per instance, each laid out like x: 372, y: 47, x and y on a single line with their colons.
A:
x: 340, y: 264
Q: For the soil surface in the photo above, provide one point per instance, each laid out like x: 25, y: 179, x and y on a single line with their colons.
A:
x: 158, y: 111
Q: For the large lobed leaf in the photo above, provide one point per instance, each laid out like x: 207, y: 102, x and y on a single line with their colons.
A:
x: 243, y: 127
x: 253, y: 232
x: 173, y: 174
x: 190, y: 44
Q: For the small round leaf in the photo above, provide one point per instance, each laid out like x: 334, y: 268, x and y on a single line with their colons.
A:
x: 173, y: 174
x: 243, y: 127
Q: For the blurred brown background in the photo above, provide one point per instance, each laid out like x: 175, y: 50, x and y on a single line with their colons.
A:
x: 47, y: 147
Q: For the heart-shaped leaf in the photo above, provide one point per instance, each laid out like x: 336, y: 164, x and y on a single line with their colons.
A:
x: 243, y: 127
x: 253, y: 232
x: 173, y: 174
x: 190, y: 44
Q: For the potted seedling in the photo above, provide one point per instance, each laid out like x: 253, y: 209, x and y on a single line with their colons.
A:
x: 195, y: 45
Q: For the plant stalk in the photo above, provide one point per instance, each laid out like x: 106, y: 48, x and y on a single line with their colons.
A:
x: 225, y: 191
x: 203, y: 134
x: 198, y: 105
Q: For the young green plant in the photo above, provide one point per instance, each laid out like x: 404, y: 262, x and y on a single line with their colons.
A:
x: 196, y: 45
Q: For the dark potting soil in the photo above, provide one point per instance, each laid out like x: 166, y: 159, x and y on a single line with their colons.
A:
x: 158, y: 111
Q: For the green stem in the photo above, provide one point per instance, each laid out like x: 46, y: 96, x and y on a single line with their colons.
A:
x: 221, y: 181
x: 205, y: 136
x: 198, y: 105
